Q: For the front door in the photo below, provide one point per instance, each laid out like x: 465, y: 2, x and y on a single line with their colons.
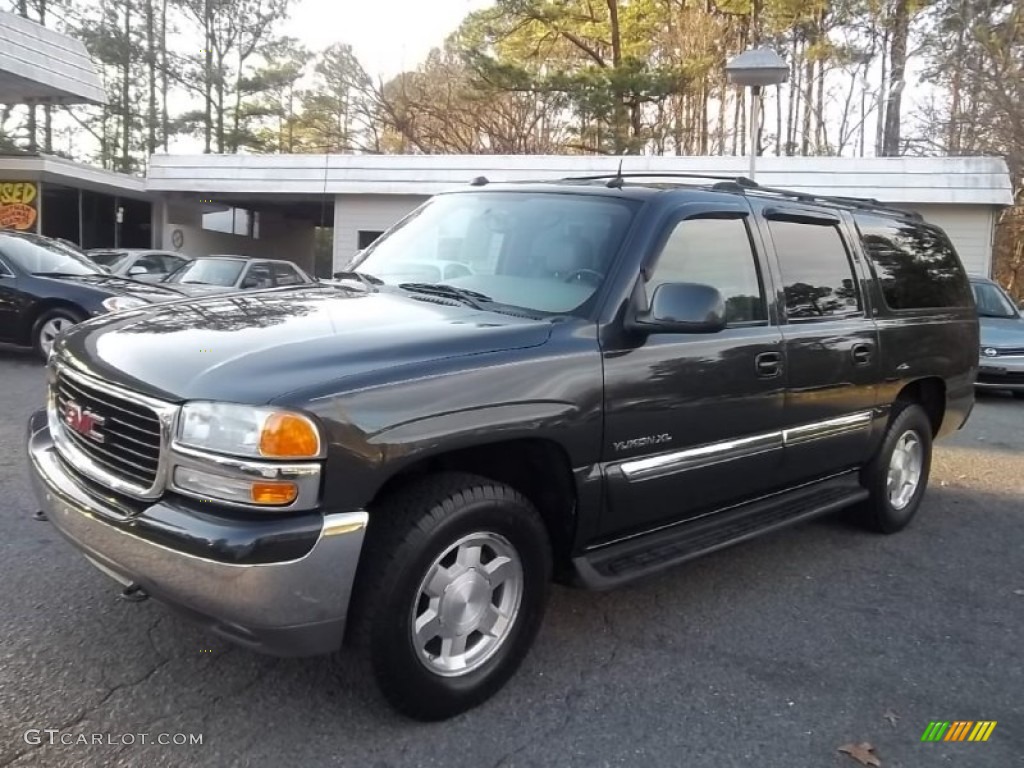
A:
x: 11, y: 304
x: 831, y: 342
x: 693, y: 421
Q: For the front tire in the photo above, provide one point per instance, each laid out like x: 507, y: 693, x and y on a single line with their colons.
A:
x: 49, y: 325
x: 898, y: 475
x: 451, y: 590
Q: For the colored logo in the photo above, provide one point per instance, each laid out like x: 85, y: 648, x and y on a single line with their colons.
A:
x: 958, y: 730
x: 83, y: 421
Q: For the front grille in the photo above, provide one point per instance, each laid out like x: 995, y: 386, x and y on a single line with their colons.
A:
x: 1009, y: 351
x: 129, y: 444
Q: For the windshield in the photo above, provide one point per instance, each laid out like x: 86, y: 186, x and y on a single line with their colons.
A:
x: 542, y: 252
x: 222, y: 272
x: 992, y: 301
x: 38, y: 256
x: 107, y: 258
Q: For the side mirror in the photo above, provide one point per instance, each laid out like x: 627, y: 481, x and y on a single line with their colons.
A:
x: 680, y: 308
x: 133, y: 271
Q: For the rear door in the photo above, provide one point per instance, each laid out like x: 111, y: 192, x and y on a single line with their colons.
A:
x: 830, y: 339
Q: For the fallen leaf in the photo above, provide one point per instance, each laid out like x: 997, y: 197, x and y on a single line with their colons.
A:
x: 863, y: 753
x: 891, y: 716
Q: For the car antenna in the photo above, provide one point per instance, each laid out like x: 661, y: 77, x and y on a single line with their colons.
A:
x: 618, y: 180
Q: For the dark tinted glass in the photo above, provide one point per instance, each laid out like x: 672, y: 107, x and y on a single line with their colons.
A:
x: 714, y: 252
x: 817, y: 278
x: 916, y: 265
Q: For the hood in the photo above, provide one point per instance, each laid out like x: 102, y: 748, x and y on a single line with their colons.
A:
x: 254, y: 347
x: 115, y: 285
x: 1002, y: 332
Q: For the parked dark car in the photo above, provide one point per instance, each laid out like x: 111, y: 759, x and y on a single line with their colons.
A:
x: 147, y: 265
x: 1001, y: 363
x: 46, y: 287
x: 220, y: 274
x: 631, y: 375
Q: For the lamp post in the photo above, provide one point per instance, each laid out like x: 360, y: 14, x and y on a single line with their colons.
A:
x: 754, y: 69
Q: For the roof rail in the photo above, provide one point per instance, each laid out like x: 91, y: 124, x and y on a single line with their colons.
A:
x: 613, y: 178
x: 860, y: 203
x: 742, y: 185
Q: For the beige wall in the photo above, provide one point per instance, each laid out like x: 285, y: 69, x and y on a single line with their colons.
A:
x: 374, y: 213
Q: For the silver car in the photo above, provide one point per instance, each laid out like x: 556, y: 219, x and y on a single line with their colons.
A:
x: 1001, y: 363
x: 144, y: 264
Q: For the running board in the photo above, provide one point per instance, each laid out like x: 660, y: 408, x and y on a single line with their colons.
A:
x: 613, y: 564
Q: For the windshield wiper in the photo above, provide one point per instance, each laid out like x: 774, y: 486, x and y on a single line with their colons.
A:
x: 369, y: 281
x: 466, y: 296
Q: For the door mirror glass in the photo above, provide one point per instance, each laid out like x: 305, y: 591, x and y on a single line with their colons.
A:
x: 681, y: 308
x: 137, y: 270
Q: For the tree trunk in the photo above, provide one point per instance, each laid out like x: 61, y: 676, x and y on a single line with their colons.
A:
x: 882, y: 88
x: 165, y: 129
x: 126, y: 82
x: 805, y: 136
x: 208, y: 77
x: 151, y: 116
x: 778, y: 120
x: 620, y: 116
x: 897, y: 67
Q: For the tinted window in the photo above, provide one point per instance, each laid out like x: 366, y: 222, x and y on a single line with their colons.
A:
x: 714, y: 252
x: 107, y: 258
x: 285, y: 274
x: 817, y: 278
x: 916, y: 265
x: 258, y: 276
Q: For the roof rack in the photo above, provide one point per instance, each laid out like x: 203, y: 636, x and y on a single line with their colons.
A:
x: 860, y: 203
x: 614, y: 179
x: 742, y: 185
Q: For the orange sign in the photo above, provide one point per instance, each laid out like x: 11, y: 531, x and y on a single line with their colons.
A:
x: 17, y: 204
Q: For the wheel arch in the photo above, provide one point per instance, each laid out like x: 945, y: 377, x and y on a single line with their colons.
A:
x: 930, y: 393
x: 539, y: 468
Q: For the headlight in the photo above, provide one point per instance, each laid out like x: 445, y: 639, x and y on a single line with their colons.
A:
x: 118, y: 303
x: 242, y: 430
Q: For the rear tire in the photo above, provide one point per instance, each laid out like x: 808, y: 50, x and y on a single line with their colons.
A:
x: 898, y: 475
x: 450, y: 593
x: 49, y: 325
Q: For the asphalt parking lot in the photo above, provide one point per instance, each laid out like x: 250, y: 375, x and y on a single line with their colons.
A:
x: 774, y: 653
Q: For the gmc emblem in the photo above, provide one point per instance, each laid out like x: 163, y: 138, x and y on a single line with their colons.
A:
x: 83, y: 421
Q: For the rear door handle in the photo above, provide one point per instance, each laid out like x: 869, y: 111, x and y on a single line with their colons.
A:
x: 861, y: 354
x: 768, y: 365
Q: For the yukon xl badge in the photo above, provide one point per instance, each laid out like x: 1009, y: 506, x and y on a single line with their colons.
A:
x: 642, y: 442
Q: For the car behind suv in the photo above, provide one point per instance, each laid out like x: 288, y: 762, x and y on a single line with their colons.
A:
x: 629, y: 374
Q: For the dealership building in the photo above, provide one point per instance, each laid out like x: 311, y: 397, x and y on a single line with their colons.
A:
x: 273, y: 205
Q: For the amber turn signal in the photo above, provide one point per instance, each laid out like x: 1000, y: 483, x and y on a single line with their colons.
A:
x: 289, y: 436
x: 277, y: 492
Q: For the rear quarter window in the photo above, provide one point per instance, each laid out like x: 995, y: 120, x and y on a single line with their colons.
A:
x: 916, y: 265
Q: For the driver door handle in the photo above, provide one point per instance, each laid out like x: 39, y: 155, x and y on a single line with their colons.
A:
x: 861, y: 354
x: 768, y: 365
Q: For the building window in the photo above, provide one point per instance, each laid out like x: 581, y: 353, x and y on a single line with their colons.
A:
x: 367, y: 238
x: 234, y: 221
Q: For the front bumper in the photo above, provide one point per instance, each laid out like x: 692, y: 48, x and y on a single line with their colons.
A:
x: 1001, y: 373
x: 294, y: 607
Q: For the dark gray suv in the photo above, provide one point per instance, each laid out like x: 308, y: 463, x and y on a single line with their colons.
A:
x: 628, y: 374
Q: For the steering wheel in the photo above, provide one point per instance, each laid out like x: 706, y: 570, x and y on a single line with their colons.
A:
x: 593, y: 274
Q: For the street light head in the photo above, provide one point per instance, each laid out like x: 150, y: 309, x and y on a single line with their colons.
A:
x: 761, y: 66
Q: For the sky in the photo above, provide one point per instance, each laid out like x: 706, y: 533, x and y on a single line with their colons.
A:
x: 388, y: 36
